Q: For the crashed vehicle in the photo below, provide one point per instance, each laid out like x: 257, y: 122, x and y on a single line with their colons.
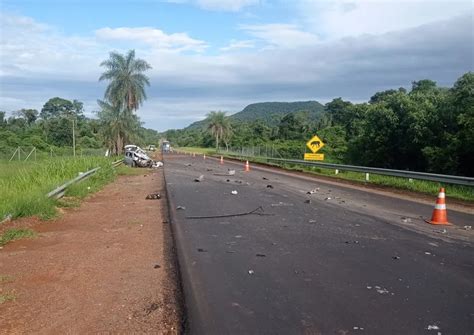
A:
x: 137, y: 157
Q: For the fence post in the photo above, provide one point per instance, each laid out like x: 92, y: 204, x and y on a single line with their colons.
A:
x: 367, y: 177
x: 337, y: 171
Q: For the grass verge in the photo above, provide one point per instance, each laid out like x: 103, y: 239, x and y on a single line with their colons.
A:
x: 206, y: 151
x: 25, y: 185
x: 4, y: 297
x: 15, y: 234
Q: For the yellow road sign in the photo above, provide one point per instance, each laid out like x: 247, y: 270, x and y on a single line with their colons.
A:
x: 313, y: 157
x: 315, y: 144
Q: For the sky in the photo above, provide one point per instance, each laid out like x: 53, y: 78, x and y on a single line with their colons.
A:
x: 209, y: 55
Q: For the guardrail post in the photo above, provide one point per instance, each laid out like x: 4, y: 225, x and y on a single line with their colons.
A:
x: 367, y: 177
x: 337, y: 171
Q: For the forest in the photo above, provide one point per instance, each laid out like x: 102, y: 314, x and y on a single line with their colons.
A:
x: 427, y: 128
x: 51, y: 129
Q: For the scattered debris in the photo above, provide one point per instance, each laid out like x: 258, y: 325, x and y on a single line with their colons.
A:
x: 157, y: 266
x: 201, y: 250
x: 257, y: 211
x: 467, y: 227
x: 231, y: 172
x: 6, y: 218
x: 198, y: 180
x: 281, y: 204
x: 396, y: 257
x: 432, y: 327
x: 427, y: 253
x: 251, y: 272
x: 328, y: 198
x: 238, y: 236
x: 181, y: 208
x: 157, y: 164
x: 307, y: 201
x: 230, y: 251
x: 357, y: 328
x: 189, y: 164
x: 264, y: 178
x: 153, y: 196
x: 405, y: 219
x: 228, y: 180
x: 313, y: 191
x: 234, y: 192
x: 349, y: 242
x: 312, y: 221
x: 208, y: 169
x: 261, y: 255
x: 269, y: 186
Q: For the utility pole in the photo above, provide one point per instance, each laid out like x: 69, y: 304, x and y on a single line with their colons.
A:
x: 73, y: 139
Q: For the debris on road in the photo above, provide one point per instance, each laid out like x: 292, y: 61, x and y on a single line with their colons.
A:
x: 153, y: 196
x: 427, y: 253
x: 395, y: 257
x: 201, y: 250
x: 269, y: 186
x: 234, y: 192
x: 307, y: 201
x: 432, y: 327
x: 328, y: 198
x: 264, y: 178
x: 313, y: 191
x: 354, y: 242
x: 257, y: 211
x: 157, y: 266
x: 405, y: 219
x: 357, y: 328
x: 251, y: 272
x: 157, y: 164
x: 261, y: 255
x: 199, y: 179
x: 180, y: 208
x: 281, y: 204
x: 312, y: 221
x: 467, y: 227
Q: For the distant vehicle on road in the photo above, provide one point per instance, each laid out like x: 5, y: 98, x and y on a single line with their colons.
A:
x: 165, y: 146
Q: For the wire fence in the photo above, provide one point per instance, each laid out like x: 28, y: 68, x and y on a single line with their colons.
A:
x: 28, y: 153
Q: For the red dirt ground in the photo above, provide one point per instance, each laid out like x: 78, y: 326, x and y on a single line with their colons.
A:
x: 104, y: 267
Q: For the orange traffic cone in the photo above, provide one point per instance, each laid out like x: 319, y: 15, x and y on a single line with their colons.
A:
x: 440, y: 215
x: 247, y: 166
x: 222, y: 160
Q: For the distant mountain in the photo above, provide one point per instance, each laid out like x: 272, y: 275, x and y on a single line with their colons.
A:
x: 271, y: 112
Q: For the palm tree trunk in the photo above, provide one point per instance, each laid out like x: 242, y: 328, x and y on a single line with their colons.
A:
x: 217, y: 142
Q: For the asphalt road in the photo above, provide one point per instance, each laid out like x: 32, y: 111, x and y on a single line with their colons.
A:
x: 347, y: 262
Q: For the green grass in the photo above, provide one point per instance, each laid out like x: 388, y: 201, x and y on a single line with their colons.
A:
x: 24, y: 185
x: 5, y: 279
x: 16, y: 234
x: 207, y: 151
x: 4, y: 297
x: 124, y: 170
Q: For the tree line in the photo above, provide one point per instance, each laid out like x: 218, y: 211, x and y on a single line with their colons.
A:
x: 116, y: 123
x: 427, y: 128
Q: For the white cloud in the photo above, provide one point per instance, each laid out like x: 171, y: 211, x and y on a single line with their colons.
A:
x: 155, y: 38
x: 226, y: 5
x: 281, y: 35
x: 341, y: 18
x: 237, y: 45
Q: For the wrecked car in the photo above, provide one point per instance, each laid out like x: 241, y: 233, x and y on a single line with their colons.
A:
x: 136, y: 157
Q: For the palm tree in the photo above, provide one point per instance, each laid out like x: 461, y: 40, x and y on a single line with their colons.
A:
x: 118, y: 125
x: 127, y: 81
x: 219, y: 126
x: 124, y: 94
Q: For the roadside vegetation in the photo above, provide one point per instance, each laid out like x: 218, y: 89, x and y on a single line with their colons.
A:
x: 24, y: 186
x: 427, y: 129
x: 15, y: 234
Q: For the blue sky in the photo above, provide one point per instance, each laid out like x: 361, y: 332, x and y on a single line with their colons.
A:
x: 224, y: 54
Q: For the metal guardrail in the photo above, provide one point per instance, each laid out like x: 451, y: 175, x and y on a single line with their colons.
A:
x: 59, y: 191
x: 449, y: 179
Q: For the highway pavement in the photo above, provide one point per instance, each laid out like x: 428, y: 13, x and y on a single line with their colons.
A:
x: 341, y: 260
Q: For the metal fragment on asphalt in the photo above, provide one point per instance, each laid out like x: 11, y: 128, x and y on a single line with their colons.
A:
x: 234, y: 192
x: 181, y: 208
x: 251, y: 272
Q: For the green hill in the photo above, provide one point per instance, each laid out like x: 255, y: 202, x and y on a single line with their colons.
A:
x: 271, y: 112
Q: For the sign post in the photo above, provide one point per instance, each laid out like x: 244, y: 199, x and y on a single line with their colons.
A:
x: 314, y: 144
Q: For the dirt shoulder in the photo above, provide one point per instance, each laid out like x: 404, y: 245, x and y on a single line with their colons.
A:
x: 104, y: 267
